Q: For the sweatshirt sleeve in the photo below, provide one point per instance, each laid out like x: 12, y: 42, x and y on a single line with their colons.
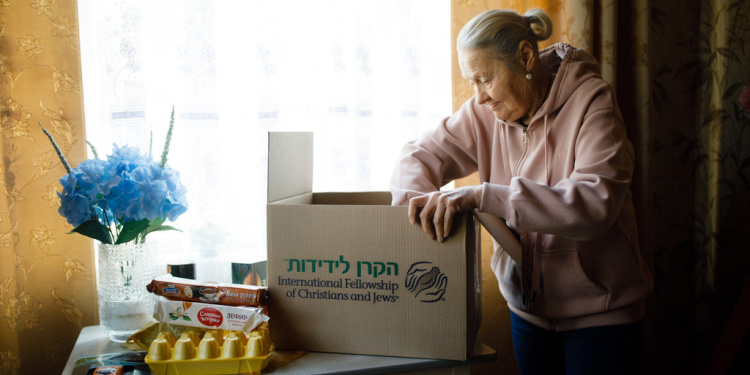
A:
x: 439, y: 156
x: 582, y: 206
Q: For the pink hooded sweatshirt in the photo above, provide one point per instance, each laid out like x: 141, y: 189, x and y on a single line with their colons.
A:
x: 562, y: 185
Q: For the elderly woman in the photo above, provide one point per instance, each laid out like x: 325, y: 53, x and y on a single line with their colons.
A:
x: 546, y: 135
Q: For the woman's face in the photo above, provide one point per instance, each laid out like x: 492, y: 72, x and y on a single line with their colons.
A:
x: 506, y: 93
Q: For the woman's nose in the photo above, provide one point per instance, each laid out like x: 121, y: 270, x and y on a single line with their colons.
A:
x: 482, y: 96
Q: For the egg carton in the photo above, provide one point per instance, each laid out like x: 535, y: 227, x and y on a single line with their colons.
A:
x: 213, y: 354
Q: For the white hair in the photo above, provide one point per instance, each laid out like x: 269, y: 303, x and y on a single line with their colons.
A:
x: 503, y: 30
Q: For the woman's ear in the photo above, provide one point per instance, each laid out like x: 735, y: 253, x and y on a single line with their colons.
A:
x: 526, y: 55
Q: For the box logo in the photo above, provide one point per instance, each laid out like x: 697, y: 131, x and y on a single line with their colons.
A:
x: 427, y: 284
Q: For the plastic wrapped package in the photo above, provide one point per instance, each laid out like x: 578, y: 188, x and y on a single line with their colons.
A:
x: 206, y: 315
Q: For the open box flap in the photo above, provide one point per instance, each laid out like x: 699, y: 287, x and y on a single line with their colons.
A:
x: 290, y: 164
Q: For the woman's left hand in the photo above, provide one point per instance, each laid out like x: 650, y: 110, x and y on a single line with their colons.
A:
x: 434, y: 211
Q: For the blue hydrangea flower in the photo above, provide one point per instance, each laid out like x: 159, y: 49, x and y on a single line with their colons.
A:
x: 127, y: 186
x: 92, y: 172
x: 75, y: 205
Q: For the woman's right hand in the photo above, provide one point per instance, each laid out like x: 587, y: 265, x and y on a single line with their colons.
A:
x: 434, y: 211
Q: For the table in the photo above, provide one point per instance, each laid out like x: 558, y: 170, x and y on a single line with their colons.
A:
x: 92, y: 340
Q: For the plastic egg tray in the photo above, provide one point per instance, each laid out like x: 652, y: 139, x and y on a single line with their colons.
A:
x: 213, y: 354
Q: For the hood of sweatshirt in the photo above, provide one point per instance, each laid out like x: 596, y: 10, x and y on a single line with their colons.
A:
x: 572, y: 68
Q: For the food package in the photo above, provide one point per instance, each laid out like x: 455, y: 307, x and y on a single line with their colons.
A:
x: 177, y: 288
x: 207, y: 315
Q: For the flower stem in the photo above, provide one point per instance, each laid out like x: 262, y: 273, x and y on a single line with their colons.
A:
x: 168, y: 140
x: 93, y: 149
x: 57, y: 148
x: 112, y: 236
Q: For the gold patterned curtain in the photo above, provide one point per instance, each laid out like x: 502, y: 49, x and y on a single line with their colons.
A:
x: 678, y: 68
x: 47, y: 289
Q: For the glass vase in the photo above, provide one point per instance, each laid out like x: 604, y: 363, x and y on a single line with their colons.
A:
x: 122, y: 274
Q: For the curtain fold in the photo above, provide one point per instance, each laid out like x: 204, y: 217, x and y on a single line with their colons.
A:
x: 47, y: 291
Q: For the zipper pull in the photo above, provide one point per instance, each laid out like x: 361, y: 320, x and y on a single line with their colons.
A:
x: 524, y: 135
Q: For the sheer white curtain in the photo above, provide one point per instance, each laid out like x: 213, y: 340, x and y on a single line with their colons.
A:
x: 364, y: 76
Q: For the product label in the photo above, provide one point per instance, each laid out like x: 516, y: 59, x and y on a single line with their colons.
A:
x: 210, y: 317
x: 170, y: 291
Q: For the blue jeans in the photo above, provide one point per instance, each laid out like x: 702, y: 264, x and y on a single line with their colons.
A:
x: 596, y: 350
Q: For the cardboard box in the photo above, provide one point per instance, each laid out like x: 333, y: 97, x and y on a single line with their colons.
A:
x: 347, y: 273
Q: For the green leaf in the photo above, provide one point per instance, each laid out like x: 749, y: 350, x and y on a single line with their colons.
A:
x: 157, y: 228
x: 158, y: 221
x: 94, y: 229
x: 131, y: 230
x: 186, y: 318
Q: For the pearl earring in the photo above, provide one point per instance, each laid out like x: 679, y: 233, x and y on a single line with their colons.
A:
x: 528, y: 76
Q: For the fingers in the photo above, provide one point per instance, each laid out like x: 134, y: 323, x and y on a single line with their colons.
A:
x: 443, y: 218
x: 426, y: 214
x: 448, y: 222
x: 427, y: 226
x: 438, y: 219
x: 434, y: 212
x: 421, y: 212
x: 414, y: 207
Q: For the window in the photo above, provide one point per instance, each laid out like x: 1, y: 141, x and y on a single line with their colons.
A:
x: 364, y: 76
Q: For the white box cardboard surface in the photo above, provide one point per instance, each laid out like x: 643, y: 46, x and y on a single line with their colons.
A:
x: 347, y: 273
